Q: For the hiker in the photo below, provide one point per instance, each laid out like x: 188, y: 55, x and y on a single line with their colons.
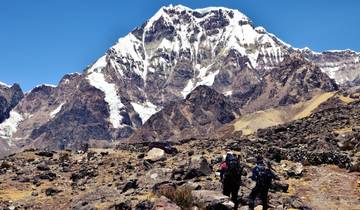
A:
x: 230, y: 176
x: 263, y: 177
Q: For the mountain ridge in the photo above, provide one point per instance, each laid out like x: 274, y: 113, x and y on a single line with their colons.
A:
x: 161, y: 62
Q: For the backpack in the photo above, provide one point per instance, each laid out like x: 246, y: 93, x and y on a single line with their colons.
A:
x: 262, y: 175
x: 233, y: 171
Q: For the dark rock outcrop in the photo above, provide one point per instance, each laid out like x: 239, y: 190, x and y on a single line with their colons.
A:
x: 9, y: 98
x: 202, y: 112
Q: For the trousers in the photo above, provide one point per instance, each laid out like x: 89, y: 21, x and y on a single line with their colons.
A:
x: 260, y: 192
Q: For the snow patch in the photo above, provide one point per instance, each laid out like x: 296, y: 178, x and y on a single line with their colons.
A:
x: 97, y: 80
x: 145, y: 110
x: 57, y: 110
x: 46, y: 85
x: 357, y: 60
x: 207, y: 80
x: 9, y: 126
x: 4, y: 84
x: 228, y: 93
x: 99, y: 64
x: 330, y: 71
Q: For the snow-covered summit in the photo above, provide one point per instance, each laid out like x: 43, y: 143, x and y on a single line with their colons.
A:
x: 178, y: 49
x: 4, y: 84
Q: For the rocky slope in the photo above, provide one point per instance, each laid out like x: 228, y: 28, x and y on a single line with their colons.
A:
x: 331, y: 134
x: 9, y: 98
x: 341, y: 65
x: 202, y: 112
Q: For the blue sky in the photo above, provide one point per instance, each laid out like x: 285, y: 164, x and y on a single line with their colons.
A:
x: 41, y: 40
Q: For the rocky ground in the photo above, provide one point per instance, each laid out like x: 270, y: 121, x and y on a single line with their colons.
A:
x: 136, y: 176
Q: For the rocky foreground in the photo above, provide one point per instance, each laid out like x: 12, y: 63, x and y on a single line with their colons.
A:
x: 140, y: 176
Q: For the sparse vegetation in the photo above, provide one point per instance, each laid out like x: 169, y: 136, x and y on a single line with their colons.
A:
x: 181, y: 196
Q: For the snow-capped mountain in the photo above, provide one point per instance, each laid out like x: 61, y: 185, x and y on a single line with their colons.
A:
x: 160, y: 63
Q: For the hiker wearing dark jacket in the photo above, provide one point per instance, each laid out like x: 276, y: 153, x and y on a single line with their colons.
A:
x: 263, y: 177
x: 230, y: 176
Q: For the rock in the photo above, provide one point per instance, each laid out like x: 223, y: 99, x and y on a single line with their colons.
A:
x: 52, y: 191
x: 212, y: 200
x: 292, y: 169
x: 144, y: 205
x: 5, y: 165
x: 34, y: 194
x: 164, y: 203
x: 155, y: 154
x: 162, y: 187
x: 48, y: 175
x: 45, y: 154
x: 64, y: 157
x: 43, y: 167
x: 155, y: 175
x: 147, y: 165
x: 199, y: 166
x: 12, y: 208
x: 24, y: 179
x: 294, y: 202
x: 355, y: 167
x: 84, y: 172
x: 280, y: 186
x: 164, y: 146
x: 131, y: 184
x: 122, y: 206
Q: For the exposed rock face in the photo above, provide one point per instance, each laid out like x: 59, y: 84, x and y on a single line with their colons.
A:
x: 203, y: 111
x: 9, y: 118
x: 341, y: 65
x: 289, y: 83
x: 9, y: 98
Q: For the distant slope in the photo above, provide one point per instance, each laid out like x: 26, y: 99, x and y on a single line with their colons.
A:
x: 250, y: 123
x: 202, y: 112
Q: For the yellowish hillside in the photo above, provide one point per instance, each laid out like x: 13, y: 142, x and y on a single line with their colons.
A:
x: 250, y: 123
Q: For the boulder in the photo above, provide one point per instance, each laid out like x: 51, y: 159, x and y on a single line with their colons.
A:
x: 45, y: 154
x: 43, y: 167
x: 164, y: 146
x: 212, y: 200
x: 155, y: 175
x: 52, y: 191
x: 198, y: 166
x: 292, y: 169
x: 131, y: 184
x: 144, y: 205
x: 122, y: 206
x: 155, y: 154
x: 164, y: 203
x: 82, y: 173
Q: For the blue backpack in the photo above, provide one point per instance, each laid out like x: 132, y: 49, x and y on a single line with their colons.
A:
x: 262, y: 175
